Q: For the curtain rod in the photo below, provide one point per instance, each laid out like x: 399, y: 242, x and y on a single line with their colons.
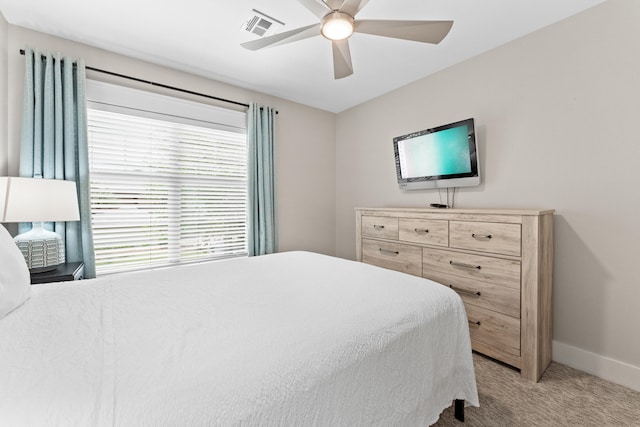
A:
x: 164, y: 86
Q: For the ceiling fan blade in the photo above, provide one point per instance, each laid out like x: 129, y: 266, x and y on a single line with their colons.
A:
x: 282, y: 38
x: 317, y: 7
x: 341, y: 59
x: 419, y: 31
x: 352, y: 7
x: 334, y: 4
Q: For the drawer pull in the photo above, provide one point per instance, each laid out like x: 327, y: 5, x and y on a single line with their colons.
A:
x: 474, y: 324
x: 421, y: 230
x: 463, y: 265
x: 464, y: 291
x: 388, y: 252
x: 378, y: 227
x: 481, y: 236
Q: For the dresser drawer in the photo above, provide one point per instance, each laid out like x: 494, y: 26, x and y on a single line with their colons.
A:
x: 494, y: 330
x: 487, y: 295
x: 428, y: 232
x: 394, y: 256
x: 474, y: 267
x: 380, y: 226
x: 486, y: 237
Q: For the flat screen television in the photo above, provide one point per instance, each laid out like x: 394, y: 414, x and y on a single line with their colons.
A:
x: 442, y: 157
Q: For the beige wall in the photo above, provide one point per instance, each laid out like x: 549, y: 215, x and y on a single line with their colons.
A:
x: 557, y: 117
x: 304, y: 155
x: 4, y: 33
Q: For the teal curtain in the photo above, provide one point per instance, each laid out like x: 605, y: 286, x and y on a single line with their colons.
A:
x: 260, y: 135
x: 54, y: 141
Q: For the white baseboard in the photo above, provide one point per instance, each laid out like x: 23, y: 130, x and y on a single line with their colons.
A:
x: 595, y: 364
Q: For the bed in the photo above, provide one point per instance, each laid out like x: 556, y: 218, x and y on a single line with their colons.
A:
x: 288, y: 339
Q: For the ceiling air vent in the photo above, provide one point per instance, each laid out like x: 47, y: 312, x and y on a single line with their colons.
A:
x: 261, y: 24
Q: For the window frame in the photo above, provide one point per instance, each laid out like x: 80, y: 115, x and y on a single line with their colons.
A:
x: 149, y: 105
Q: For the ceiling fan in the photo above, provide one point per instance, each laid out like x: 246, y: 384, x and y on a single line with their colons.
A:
x: 337, y: 23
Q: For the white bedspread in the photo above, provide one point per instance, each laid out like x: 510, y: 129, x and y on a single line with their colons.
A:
x: 291, y: 339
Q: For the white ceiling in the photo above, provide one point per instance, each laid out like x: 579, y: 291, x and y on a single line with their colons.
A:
x: 203, y: 37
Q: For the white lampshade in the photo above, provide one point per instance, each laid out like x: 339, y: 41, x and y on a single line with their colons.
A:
x: 38, y: 200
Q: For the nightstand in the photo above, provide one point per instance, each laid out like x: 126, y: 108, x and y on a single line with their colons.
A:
x: 63, y: 273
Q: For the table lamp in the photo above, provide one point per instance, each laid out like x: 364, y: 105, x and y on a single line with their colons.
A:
x: 39, y: 200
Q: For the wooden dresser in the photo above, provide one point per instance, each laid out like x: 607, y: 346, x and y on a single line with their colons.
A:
x: 499, y: 261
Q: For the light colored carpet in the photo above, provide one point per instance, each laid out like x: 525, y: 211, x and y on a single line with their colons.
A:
x: 563, y: 397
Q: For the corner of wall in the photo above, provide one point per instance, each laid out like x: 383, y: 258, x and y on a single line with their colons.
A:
x: 4, y: 95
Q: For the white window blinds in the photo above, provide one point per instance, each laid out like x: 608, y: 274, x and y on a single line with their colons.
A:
x: 166, y: 188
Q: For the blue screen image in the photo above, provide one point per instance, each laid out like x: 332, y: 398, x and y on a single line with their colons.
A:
x: 433, y: 154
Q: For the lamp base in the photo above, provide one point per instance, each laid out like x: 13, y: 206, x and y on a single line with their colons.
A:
x: 43, y: 250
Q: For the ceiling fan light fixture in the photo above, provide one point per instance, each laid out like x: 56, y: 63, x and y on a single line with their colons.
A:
x: 337, y: 26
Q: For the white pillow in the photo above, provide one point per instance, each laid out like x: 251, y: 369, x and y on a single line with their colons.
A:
x: 15, y: 282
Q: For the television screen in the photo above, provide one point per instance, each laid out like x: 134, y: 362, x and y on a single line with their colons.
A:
x: 445, y: 156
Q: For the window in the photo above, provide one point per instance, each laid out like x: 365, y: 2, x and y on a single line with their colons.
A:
x: 168, y: 180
